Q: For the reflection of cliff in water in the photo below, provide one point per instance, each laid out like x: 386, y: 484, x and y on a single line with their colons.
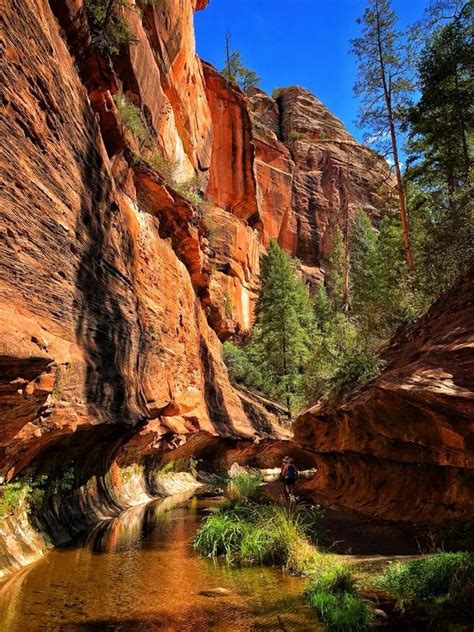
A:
x: 139, y: 573
x: 132, y: 528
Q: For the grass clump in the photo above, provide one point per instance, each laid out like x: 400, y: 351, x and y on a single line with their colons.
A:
x: 333, y: 594
x: 443, y: 575
x: 248, y: 533
x: 131, y: 116
x: 244, y: 485
x: 342, y: 612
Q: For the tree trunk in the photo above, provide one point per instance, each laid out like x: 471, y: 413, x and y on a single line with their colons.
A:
x: 345, y: 268
x: 393, y: 139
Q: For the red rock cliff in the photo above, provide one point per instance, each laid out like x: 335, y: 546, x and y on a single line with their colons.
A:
x: 402, y: 448
x: 105, y: 283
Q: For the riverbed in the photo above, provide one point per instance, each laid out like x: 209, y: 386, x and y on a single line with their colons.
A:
x: 139, y: 572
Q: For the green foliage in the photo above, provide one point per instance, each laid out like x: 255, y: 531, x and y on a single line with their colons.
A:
x: 244, y: 485
x: 108, y: 26
x: 241, y: 363
x: 440, y: 575
x: 336, y: 264
x: 167, y: 170
x: 277, y: 92
x: 250, y: 533
x: 295, y: 135
x: 383, y: 291
x: 13, y: 496
x: 131, y: 116
x: 129, y: 472
x: 235, y: 72
x: 382, y: 71
x: 335, y: 579
x: 439, y: 150
x: 284, y: 325
x: 341, y: 612
x: 228, y: 305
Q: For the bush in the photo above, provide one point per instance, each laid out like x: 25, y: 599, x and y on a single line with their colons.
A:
x: 131, y: 116
x: 341, y: 612
x: 13, y: 497
x: 355, y: 369
x: 295, y: 135
x: 277, y: 92
x: 441, y: 575
x: 109, y: 30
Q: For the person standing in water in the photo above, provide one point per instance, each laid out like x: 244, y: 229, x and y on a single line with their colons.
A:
x: 289, y: 474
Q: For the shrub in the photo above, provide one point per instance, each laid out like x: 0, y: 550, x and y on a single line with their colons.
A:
x: 131, y: 116
x: 294, y: 135
x: 13, y: 497
x: 341, y: 612
x: 228, y: 305
x: 440, y: 575
x: 277, y: 92
x: 109, y: 30
x: 356, y: 369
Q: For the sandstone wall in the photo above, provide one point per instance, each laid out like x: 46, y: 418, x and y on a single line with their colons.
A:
x: 402, y: 448
x: 105, y: 282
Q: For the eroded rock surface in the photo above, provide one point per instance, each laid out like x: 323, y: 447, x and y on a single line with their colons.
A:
x: 402, y: 448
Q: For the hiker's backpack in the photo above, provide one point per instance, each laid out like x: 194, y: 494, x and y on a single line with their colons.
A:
x: 291, y: 472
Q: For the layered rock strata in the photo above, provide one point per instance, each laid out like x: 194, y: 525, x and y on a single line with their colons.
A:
x: 402, y: 448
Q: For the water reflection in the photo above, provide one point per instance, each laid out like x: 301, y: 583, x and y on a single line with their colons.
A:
x: 139, y: 572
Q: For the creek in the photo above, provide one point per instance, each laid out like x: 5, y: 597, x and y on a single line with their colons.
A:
x: 139, y: 571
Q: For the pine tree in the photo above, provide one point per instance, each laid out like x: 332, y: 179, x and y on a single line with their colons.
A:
x: 235, y: 71
x: 439, y: 157
x: 383, y: 85
x: 283, y: 326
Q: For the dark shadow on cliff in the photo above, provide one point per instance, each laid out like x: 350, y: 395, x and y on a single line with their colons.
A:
x: 107, y: 327
x: 213, y: 395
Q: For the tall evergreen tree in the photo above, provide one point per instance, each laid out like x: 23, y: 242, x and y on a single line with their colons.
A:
x: 439, y: 151
x: 383, y: 85
x: 283, y: 325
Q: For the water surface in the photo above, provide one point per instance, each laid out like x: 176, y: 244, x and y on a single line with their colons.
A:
x: 139, y: 572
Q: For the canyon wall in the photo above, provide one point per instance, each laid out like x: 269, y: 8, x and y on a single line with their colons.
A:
x: 105, y: 281
x: 139, y: 190
x: 403, y: 447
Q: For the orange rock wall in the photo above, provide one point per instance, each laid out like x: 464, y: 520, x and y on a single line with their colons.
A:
x: 104, y: 272
x: 402, y: 448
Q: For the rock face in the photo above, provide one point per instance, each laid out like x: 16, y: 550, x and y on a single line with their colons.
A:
x: 402, y: 448
x: 105, y: 281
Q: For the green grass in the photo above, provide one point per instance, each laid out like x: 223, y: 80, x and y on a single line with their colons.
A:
x: 341, y: 612
x: 443, y: 575
x: 248, y: 533
x: 333, y: 594
x: 336, y: 579
x: 244, y: 485
x: 131, y: 116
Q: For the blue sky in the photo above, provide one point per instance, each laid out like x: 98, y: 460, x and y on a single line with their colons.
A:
x: 295, y: 42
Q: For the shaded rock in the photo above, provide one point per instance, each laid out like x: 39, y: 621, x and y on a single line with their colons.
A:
x: 402, y: 447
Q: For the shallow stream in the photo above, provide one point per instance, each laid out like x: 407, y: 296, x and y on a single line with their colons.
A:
x: 139, y: 572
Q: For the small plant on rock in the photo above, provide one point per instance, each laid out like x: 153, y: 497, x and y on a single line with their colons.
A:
x: 131, y: 116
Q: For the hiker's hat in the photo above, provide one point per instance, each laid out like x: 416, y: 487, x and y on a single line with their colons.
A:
x: 286, y: 458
